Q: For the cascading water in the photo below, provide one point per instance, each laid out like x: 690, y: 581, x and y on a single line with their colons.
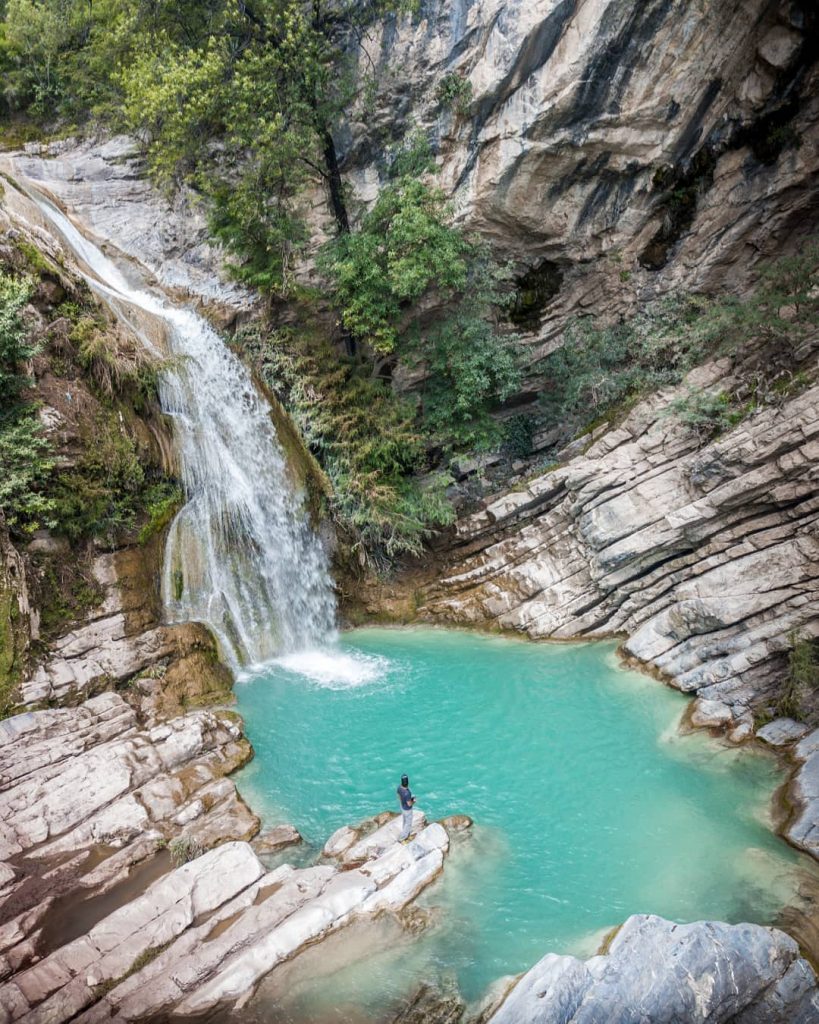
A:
x: 241, y: 555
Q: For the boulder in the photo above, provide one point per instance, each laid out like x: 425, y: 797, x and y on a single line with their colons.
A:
x: 782, y: 732
x: 457, y: 823
x: 664, y: 973
x: 711, y: 714
x: 803, y: 831
x: 276, y: 839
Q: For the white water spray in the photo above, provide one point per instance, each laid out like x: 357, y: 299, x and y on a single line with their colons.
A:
x: 241, y: 555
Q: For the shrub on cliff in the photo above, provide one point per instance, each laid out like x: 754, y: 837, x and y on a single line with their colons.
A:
x: 410, y: 284
x: 25, y: 454
x: 365, y: 436
x: 601, y: 367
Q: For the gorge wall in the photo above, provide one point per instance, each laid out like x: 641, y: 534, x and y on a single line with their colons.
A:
x: 614, y: 153
x: 619, y: 151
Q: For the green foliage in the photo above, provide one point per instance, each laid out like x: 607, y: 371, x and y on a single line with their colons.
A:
x: 67, y: 590
x: 598, y: 368
x: 455, y: 93
x: 15, y: 348
x: 412, y: 158
x: 25, y: 454
x: 174, y: 94
x: 58, y: 55
x: 706, y: 413
x: 268, y: 83
x: 406, y: 253
x: 117, y: 364
x: 470, y: 367
x: 518, y: 436
x: 404, y: 247
x: 601, y: 367
x: 103, y: 492
x: 161, y: 502
x: 801, y: 687
x: 28, y: 462
x: 184, y: 849
x: 365, y: 437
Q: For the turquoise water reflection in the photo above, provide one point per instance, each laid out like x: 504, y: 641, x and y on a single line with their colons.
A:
x: 589, y: 806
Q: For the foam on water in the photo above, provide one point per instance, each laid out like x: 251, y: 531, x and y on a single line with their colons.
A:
x: 334, y: 668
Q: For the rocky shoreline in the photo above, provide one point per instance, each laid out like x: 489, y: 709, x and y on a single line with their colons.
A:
x: 640, y: 531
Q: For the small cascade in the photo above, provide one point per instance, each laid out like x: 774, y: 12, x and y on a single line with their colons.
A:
x: 241, y: 555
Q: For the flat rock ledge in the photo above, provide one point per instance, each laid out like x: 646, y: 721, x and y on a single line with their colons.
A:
x: 88, y: 794
x: 658, y: 972
x: 205, y: 934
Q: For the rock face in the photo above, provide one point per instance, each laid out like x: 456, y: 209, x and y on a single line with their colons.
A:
x: 619, y: 150
x: 104, y: 184
x: 202, y: 936
x: 276, y: 839
x: 666, y: 973
x: 804, y: 793
x: 97, y: 794
x: 122, y: 637
x: 705, y: 558
x: 19, y: 621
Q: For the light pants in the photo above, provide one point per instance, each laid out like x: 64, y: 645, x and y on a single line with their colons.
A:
x: 406, y: 818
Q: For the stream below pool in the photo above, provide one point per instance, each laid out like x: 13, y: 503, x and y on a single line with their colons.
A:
x: 589, y: 804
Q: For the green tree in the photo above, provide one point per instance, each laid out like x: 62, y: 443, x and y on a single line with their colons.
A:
x: 404, y: 247
x: 15, y: 347
x: 25, y: 454
x: 406, y: 257
x: 246, y: 107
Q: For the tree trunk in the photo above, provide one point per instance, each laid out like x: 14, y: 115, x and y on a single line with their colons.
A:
x: 335, y: 184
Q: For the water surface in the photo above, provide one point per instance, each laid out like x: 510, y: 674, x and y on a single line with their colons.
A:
x: 589, y: 805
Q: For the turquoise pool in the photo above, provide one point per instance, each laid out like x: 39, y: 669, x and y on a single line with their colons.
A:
x: 588, y: 804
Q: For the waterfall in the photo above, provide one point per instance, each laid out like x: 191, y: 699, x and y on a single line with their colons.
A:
x: 240, y: 555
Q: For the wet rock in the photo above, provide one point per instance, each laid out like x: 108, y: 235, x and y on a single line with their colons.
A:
x: 804, y: 794
x: 276, y: 839
x: 104, y: 184
x: 711, y: 714
x: 741, y: 733
x: 219, y: 962
x: 431, y: 1006
x: 374, y: 843
x: 457, y: 823
x: 340, y: 841
x: 64, y: 983
x: 782, y: 731
x: 664, y: 972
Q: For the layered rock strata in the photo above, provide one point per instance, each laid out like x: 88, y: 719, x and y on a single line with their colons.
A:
x: 705, y: 558
x: 97, y: 794
x: 658, y: 971
x: 803, y: 830
x: 203, y: 936
x: 123, y: 638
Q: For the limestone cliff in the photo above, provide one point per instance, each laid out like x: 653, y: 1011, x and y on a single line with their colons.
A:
x: 704, y: 557
x: 614, y: 151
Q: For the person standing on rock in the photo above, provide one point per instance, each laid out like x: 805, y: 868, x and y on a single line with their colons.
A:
x: 406, y: 799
